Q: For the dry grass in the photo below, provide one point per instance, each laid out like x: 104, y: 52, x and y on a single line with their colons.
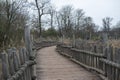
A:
x: 67, y: 41
x: 115, y: 43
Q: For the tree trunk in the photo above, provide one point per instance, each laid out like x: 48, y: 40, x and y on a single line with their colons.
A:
x: 40, y: 33
x: 74, y: 40
x: 51, y: 20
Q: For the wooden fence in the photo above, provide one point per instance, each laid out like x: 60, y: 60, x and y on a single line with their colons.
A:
x: 111, y: 69
x: 106, y: 69
x: 96, y: 46
x: 17, y: 65
x: 111, y: 52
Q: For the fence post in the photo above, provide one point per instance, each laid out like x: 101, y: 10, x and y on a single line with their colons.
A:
x: 21, y: 59
x: 28, y: 43
x: 5, y: 66
x: 10, y: 61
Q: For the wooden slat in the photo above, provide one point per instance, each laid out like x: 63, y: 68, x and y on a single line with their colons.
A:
x: 5, y: 66
x: 97, y: 62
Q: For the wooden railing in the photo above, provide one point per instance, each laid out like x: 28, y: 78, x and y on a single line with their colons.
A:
x: 106, y: 69
x: 111, y: 69
x: 16, y: 65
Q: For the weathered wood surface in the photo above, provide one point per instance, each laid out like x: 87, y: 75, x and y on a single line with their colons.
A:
x: 16, y: 65
x: 111, y: 69
x: 53, y: 66
x: 108, y: 70
x: 100, y: 47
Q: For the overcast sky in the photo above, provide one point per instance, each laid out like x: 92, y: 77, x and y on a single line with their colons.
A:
x: 97, y: 9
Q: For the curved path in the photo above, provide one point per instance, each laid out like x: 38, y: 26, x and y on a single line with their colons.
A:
x: 53, y: 66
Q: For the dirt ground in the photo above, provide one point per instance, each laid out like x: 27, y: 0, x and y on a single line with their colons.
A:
x: 53, y: 66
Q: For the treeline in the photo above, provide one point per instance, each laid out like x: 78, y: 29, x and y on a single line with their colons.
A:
x: 115, y: 31
x: 13, y: 18
x: 73, y: 23
x: 66, y: 22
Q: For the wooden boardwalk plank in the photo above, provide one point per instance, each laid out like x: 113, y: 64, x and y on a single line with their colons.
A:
x: 53, y: 66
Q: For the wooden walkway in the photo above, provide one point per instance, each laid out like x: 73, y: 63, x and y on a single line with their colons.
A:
x: 53, y: 66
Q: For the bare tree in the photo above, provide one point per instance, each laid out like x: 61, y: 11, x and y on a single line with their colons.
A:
x: 79, y: 14
x: 107, y: 24
x: 78, y: 21
x: 59, y: 21
x: 115, y: 31
x: 12, y: 20
x: 106, y: 28
x: 66, y: 13
x: 41, y: 6
x: 52, y: 14
x: 89, y: 27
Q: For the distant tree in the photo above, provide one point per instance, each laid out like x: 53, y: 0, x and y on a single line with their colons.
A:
x: 42, y: 8
x: 78, y: 21
x: 89, y: 27
x: 59, y: 23
x: 79, y: 14
x: 52, y: 15
x: 66, y: 14
x: 107, y: 24
x: 118, y: 24
x: 115, y: 31
x: 50, y: 32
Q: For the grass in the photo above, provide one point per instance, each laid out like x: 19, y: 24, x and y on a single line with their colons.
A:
x: 115, y: 43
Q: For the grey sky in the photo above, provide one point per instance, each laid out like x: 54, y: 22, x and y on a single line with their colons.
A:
x: 97, y: 9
